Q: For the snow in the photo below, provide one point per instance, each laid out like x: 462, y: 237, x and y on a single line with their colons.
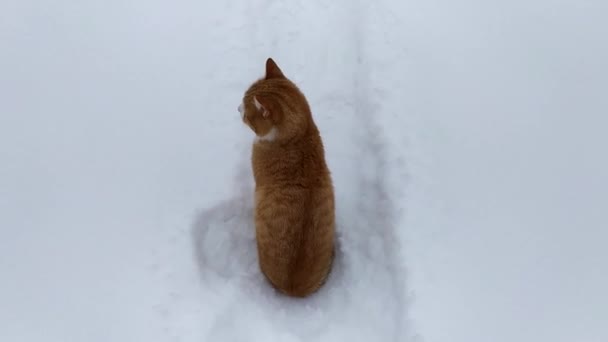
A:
x: 466, y: 141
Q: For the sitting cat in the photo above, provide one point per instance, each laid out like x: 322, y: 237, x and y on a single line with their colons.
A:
x: 294, y: 197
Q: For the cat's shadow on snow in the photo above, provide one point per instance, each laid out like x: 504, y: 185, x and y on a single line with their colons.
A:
x: 226, y: 253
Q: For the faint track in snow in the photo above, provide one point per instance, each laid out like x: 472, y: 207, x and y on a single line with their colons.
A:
x: 367, y: 279
x: 380, y: 215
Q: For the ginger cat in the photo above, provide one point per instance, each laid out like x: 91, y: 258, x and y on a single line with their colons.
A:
x: 294, y: 197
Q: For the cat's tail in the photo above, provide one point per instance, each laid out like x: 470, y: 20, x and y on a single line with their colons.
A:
x: 304, y: 283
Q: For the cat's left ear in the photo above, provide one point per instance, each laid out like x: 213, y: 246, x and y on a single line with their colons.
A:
x: 262, y: 106
x: 272, y: 70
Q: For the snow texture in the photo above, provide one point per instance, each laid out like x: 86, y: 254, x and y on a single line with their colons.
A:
x: 466, y: 141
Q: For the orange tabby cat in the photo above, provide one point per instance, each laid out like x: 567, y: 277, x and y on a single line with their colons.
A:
x: 294, y: 198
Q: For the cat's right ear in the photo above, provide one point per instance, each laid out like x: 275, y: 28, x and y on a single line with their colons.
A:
x: 262, y: 106
x: 272, y: 70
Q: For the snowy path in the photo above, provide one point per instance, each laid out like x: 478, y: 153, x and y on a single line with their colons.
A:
x: 368, y: 260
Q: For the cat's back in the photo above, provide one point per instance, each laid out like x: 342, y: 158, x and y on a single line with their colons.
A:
x: 294, y: 214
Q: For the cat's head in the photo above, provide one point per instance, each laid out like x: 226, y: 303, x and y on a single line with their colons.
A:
x: 274, y: 108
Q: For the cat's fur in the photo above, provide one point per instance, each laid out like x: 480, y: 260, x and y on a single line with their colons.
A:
x: 294, y: 197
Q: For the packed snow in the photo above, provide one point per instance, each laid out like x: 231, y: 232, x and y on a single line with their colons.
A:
x: 466, y: 140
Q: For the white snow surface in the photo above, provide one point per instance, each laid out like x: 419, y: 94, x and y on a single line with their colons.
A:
x: 467, y: 142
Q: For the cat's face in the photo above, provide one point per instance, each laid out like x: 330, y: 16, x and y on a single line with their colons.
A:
x: 257, y: 118
x: 272, y: 106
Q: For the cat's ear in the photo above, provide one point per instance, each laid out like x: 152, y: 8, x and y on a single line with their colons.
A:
x: 272, y: 70
x: 262, y: 105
